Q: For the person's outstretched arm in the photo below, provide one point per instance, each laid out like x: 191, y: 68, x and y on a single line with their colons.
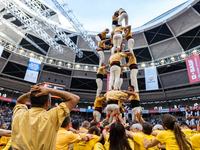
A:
x: 5, y: 132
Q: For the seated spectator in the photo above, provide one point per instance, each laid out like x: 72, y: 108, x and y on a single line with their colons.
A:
x: 65, y: 137
x: 85, y: 126
x: 36, y: 128
x: 4, y: 126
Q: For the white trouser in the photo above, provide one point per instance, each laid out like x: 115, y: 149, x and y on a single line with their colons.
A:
x: 136, y: 110
x: 123, y: 16
x: 111, y: 107
x: 117, y: 40
x: 113, y: 50
x: 133, y: 75
x: 98, y: 39
x: 120, y: 83
x: 97, y: 115
x: 114, y: 77
x: 102, y: 57
x: 113, y: 26
x: 130, y: 45
x: 99, y: 86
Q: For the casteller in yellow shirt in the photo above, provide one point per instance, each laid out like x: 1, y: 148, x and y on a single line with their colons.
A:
x: 189, y: 132
x: 195, y: 141
x: 98, y: 146
x: 3, y: 142
x: 65, y: 138
x: 167, y: 138
x: 138, y: 138
x: 86, y: 145
x: 38, y: 123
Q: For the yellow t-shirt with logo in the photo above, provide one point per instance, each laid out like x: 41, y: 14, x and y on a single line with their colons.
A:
x: 167, y: 137
x: 98, y: 146
x: 189, y: 132
x: 196, y: 141
x: 138, y: 138
x: 107, y: 143
x: 86, y: 145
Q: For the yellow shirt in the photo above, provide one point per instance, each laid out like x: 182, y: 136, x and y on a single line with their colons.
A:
x: 138, y: 138
x: 98, y: 146
x: 3, y: 141
x: 103, y: 35
x: 167, y: 138
x: 7, y: 145
x: 132, y: 60
x: 107, y: 143
x: 135, y: 97
x: 83, y: 129
x: 189, y: 132
x: 101, y: 70
x: 86, y: 145
x: 114, y: 18
x: 196, y: 141
x: 116, y: 57
x: 128, y: 33
x: 115, y: 95
x: 65, y: 138
x: 36, y: 128
x: 119, y: 29
x: 99, y: 102
x: 102, y: 45
x: 111, y: 37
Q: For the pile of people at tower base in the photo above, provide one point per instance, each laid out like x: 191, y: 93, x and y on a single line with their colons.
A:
x: 41, y: 128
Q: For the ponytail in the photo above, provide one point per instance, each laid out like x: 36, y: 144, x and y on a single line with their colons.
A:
x: 181, y: 138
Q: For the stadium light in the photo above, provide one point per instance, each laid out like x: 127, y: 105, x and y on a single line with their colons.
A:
x: 78, y: 66
x: 194, y: 51
x: 172, y: 59
x: 183, y: 55
x: 86, y: 67
x: 143, y: 65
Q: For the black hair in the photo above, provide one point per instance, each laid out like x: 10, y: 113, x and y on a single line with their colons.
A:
x: 147, y: 128
x: 132, y: 87
x: 92, y: 129
x: 66, y: 122
x: 184, y: 124
x: 127, y: 128
x: 134, y: 122
x: 94, y: 123
x: 105, y: 123
x: 38, y: 101
x: 75, y: 125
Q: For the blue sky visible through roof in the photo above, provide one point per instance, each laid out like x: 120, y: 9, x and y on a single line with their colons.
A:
x: 96, y: 15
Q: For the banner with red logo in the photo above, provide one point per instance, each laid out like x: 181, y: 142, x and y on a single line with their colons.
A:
x: 151, y: 80
x: 108, y: 80
x: 193, y: 67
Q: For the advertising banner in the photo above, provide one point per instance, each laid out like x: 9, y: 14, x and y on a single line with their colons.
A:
x: 151, y: 80
x: 193, y: 67
x: 32, y: 70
